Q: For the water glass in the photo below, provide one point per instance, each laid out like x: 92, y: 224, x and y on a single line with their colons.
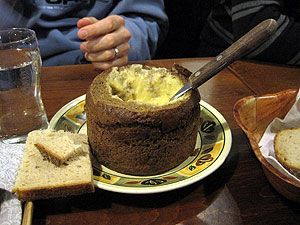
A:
x: 21, y: 106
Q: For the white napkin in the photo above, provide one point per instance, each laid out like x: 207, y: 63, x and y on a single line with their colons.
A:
x: 291, y: 120
x: 10, y: 206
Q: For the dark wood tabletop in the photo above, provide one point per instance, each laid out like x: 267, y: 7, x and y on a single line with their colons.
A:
x: 236, y: 193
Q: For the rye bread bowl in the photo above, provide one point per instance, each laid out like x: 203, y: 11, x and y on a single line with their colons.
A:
x: 140, y: 138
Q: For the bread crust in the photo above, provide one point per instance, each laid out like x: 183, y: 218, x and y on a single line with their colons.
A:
x: 30, y: 194
x: 50, y: 156
x: 137, y: 138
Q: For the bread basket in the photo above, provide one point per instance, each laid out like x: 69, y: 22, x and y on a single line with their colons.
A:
x: 253, y: 114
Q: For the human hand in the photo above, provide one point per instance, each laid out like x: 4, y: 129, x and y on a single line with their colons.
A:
x: 102, y: 37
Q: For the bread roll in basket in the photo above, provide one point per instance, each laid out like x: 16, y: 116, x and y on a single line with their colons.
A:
x: 131, y: 125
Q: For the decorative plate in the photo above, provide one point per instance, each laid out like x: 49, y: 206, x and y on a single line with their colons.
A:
x: 214, y: 143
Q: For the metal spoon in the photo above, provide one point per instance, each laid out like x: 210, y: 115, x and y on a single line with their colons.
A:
x: 254, y: 38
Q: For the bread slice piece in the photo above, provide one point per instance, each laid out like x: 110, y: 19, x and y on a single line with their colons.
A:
x: 287, y: 148
x: 40, y: 179
x: 49, y: 144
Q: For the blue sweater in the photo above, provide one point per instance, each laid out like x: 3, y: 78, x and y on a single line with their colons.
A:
x: 55, y: 24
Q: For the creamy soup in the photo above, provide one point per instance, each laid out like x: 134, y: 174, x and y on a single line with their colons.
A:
x: 154, y: 86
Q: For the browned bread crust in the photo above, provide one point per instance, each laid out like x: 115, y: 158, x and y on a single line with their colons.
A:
x: 137, y: 138
x: 53, y: 192
x: 47, y: 155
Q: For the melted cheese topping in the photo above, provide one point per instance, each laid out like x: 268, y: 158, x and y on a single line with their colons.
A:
x: 156, y: 86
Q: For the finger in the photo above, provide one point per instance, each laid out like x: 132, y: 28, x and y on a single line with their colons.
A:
x: 101, y: 27
x: 86, y: 21
x: 108, y: 64
x: 82, y: 23
x: 109, y: 54
x: 106, y: 42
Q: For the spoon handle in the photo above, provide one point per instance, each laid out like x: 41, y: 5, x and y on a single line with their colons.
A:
x: 238, y: 49
x: 27, y: 215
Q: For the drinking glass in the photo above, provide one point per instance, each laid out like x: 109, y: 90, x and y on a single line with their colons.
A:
x: 21, y: 106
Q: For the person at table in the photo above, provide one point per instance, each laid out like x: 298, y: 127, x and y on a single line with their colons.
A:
x: 231, y: 19
x: 104, y: 32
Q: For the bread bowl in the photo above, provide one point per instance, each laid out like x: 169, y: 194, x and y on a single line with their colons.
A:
x: 137, y: 136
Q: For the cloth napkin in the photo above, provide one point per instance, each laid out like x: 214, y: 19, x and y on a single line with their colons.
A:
x: 291, y: 120
x: 10, y: 207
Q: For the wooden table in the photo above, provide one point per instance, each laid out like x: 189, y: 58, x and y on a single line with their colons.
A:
x: 237, y: 193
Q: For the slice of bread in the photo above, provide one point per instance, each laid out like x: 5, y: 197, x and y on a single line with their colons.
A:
x: 287, y: 148
x: 50, y: 145
x: 40, y: 179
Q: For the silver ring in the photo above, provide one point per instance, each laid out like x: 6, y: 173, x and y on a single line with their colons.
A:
x: 116, y: 52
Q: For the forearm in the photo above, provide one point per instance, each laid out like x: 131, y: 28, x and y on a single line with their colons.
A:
x: 143, y: 42
x: 147, y: 23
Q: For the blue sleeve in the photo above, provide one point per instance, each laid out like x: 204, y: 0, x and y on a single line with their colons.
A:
x: 147, y: 22
x: 55, y: 25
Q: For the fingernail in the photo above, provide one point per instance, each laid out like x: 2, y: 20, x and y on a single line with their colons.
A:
x: 83, y: 33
